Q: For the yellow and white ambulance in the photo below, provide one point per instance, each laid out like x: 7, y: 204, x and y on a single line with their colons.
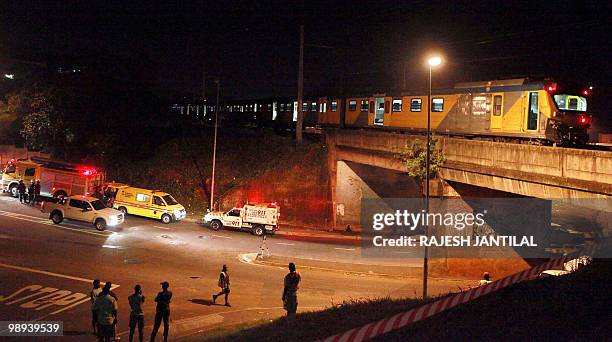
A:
x: 148, y: 203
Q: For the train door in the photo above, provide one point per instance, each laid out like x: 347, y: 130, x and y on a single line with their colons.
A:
x: 274, y: 110
x: 379, y: 111
x: 497, y: 113
x: 295, y: 111
x: 533, y: 112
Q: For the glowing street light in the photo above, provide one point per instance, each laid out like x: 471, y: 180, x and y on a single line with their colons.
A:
x: 432, y: 62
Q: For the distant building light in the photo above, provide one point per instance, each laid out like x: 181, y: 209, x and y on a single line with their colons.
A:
x: 10, y: 76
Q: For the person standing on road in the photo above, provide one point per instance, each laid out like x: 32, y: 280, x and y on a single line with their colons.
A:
x: 292, y: 281
x: 106, y: 308
x: 224, y: 284
x: 31, y: 196
x: 93, y: 294
x: 162, y: 311
x: 21, y: 190
x: 37, y: 192
x: 136, y: 315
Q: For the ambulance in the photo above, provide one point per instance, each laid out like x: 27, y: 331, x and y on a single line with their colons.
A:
x: 256, y: 218
x: 148, y: 203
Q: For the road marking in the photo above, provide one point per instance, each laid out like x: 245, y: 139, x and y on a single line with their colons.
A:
x: 555, y: 224
x: 52, y: 298
x: 112, y: 247
x: 166, y: 228
x: 345, y: 249
x: 44, y: 221
x: 285, y: 244
x: 221, y: 236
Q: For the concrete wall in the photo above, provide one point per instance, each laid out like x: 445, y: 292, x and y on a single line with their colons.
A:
x: 537, y: 171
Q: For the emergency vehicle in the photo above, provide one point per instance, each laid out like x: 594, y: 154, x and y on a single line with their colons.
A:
x: 57, y: 179
x: 148, y: 203
x: 256, y: 218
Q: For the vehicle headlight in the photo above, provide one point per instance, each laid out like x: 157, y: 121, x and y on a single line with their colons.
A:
x: 114, y: 220
x: 177, y: 213
x: 207, y: 218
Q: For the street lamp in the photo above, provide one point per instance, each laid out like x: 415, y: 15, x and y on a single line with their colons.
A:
x: 433, y: 61
x: 212, y: 181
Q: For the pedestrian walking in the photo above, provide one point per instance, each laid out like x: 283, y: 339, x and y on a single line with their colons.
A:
x: 31, y: 196
x: 93, y: 294
x: 162, y: 311
x: 224, y: 284
x: 136, y: 314
x: 21, y: 190
x: 292, y: 281
x: 37, y: 192
x: 106, y: 308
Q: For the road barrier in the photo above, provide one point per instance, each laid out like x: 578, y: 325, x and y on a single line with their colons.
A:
x: 406, y: 318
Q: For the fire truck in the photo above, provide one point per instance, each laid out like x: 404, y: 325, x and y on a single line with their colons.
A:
x: 56, y: 178
x: 256, y: 218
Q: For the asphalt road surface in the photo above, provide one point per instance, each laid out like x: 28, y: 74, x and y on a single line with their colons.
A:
x: 46, y: 272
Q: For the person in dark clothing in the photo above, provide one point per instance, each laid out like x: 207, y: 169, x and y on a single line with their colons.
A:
x: 31, y: 196
x: 37, y: 192
x: 97, y: 193
x: 162, y: 311
x: 224, y: 284
x: 292, y: 282
x: 136, y: 314
x: 21, y: 190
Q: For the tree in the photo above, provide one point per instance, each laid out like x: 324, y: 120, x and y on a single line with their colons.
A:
x: 43, y: 127
x: 414, y: 157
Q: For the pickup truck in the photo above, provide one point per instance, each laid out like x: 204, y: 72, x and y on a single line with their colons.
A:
x: 82, y: 208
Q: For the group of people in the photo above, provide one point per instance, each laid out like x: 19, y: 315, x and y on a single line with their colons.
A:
x: 29, y: 194
x: 104, y: 305
x: 104, y: 308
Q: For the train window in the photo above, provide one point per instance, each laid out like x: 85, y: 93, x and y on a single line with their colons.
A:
x: 334, y: 106
x: 289, y: 106
x: 437, y: 105
x: 352, y: 105
x: 397, y: 105
x: 415, y: 105
x: 304, y: 107
x: 269, y: 106
x: 364, y: 105
x: 497, y: 105
x: 323, y: 107
x: 256, y: 108
x: 313, y: 107
x: 282, y: 107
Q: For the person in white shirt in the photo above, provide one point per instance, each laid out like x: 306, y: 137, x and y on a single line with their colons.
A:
x: 106, y: 308
x: 95, y: 291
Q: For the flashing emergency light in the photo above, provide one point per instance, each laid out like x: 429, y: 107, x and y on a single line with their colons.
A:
x: 89, y: 172
x: 551, y: 87
x: 586, y: 92
x: 583, y: 119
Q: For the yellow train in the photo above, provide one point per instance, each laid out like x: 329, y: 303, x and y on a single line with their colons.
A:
x: 511, y: 109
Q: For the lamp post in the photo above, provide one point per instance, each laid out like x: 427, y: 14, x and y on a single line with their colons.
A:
x: 432, y: 62
x: 212, y: 181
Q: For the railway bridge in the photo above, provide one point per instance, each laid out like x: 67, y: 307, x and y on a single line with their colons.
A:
x: 365, y: 164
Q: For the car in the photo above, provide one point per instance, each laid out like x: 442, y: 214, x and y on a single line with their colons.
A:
x: 82, y: 208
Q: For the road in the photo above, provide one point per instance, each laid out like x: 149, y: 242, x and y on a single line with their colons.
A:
x: 46, y: 271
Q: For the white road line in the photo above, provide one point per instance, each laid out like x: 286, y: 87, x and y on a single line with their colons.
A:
x: 555, y: 224
x: 166, y: 228
x: 39, y: 220
x: 221, y: 236
x: 26, y: 269
x: 345, y: 249
x: 285, y: 244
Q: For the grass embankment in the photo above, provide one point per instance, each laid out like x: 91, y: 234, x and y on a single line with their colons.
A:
x: 253, y: 165
x: 572, y: 307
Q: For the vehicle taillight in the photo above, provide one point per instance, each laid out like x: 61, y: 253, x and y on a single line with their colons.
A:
x: 583, y: 119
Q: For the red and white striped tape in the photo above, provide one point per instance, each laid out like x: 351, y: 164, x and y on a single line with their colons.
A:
x: 403, y: 319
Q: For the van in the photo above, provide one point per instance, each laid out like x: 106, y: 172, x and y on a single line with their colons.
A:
x: 148, y: 203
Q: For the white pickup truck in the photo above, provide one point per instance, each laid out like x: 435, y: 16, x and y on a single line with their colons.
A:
x: 82, y: 208
x: 256, y: 218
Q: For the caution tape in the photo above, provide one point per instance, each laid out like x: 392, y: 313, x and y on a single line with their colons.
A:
x: 406, y: 318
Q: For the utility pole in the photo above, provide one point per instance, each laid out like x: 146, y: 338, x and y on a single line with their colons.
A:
x: 204, y: 93
x: 212, y: 181
x: 300, y: 113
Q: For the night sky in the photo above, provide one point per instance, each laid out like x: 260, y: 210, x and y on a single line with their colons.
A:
x: 252, y: 46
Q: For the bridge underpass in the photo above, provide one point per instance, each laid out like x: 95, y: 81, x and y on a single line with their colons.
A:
x: 364, y: 164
